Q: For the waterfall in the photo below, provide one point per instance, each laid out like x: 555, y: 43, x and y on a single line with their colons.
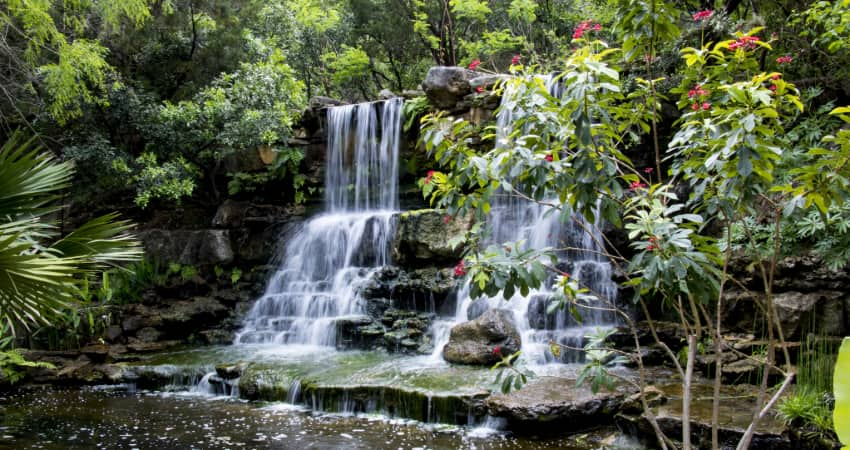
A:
x: 334, y: 253
x: 512, y: 219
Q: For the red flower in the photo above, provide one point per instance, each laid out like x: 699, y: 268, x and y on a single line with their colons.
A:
x: 706, y: 106
x: 460, y: 269
x: 653, y: 239
x: 429, y: 176
x: 474, y: 64
x: 695, y: 107
x: 447, y: 218
x: 636, y: 185
x: 479, y: 89
x: 650, y: 247
x: 704, y: 14
x: 735, y: 45
x: 772, y: 87
x: 648, y: 170
x: 748, y: 42
x: 515, y: 60
x: 775, y: 76
x: 784, y: 59
x: 549, y: 157
x: 497, y: 350
x: 597, y: 27
x: 697, y: 91
x: 580, y: 29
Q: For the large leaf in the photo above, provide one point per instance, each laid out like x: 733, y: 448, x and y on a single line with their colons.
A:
x: 29, y: 179
x: 841, y: 389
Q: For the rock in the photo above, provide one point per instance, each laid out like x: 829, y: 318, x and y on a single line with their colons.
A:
x: 319, y: 102
x: 423, y: 236
x: 554, y: 405
x: 446, y: 85
x: 216, y: 337
x: 474, y: 342
x: 410, y: 94
x: 424, y: 290
x: 148, y: 334
x: 150, y: 347
x: 488, y: 81
x: 795, y: 311
x: 230, y: 214
x: 190, y: 247
x: 113, y: 333
x: 230, y: 371
x: 386, y: 94
x: 97, y: 353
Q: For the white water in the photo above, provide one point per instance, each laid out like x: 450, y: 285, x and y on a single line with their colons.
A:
x: 512, y: 219
x: 335, y: 252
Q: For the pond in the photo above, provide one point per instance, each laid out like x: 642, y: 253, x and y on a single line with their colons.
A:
x: 123, y: 418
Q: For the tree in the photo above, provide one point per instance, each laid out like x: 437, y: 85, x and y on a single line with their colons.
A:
x: 41, y: 270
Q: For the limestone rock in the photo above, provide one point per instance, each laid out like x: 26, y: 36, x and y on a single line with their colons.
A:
x: 474, y: 342
x: 423, y: 236
x: 445, y: 85
x: 554, y: 405
x: 319, y: 102
x: 190, y: 247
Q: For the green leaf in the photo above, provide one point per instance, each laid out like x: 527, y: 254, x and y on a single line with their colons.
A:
x: 841, y: 390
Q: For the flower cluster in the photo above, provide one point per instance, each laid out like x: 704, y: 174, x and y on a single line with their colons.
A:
x: 702, y: 15
x: 648, y: 170
x: 784, y: 59
x: 745, y: 42
x: 429, y: 176
x: 635, y: 185
x: 697, y: 91
x: 515, y: 60
x: 460, y: 269
x: 474, y: 64
x: 696, y: 106
x: 584, y: 27
x: 653, y: 244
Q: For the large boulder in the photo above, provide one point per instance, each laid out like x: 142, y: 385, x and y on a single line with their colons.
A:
x: 555, y: 405
x: 798, y: 312
x: 423, y: 237
x: 190, y: 247
x: 446, y: 85
x: 475, y: 342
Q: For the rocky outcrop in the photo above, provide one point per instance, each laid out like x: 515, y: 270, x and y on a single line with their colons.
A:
x: 425, y: 237
x: 798, y: 312
x: 194, y: 247
x: 446, y: 85
x: 484, y: 340
x: 555, y: 405
x: 426, y: 290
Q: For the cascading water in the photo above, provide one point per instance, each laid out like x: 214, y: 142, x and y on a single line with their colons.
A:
x: 511, y: 220
x: 334, y: 253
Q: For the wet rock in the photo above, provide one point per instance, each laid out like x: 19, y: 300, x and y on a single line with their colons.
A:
x: 735, y: 414
x: 445, y: 85
x: 319, y: 102
x: 97, y: 353
x: 488, y: 81
x: 113, y: 333
x: 386, y: 94
x: 190, y: 247
x: 796, y: 311
x: 148, y: 335
x: 424, y: 236
x: 151, y: 347
x: 230, y: 371
x: 216, y: 337
x: 554, y: 405
x: 473, y: 342
x: 427, y: 289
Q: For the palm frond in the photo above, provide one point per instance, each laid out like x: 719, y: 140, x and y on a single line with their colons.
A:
x: 29, y: 178
x: 101, y: 242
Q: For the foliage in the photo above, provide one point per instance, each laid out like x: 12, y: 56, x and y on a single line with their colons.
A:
x: 510, y: 377
x: 598, y: 358
x: 841, y: 390
x: 42, y: 271
x: 13, y: 365
x: 807, y: 408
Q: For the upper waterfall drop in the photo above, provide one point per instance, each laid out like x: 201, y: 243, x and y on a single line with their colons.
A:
x: 334, y: 253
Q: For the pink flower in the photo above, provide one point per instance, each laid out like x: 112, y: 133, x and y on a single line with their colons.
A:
x: 474, y: 64
x: 580, y: 29
x: 706, y: 106
x: 784, y: 59
x: 497, y: 350
x: 447, y: 218
x: 460, y: 269
x: 597, y: 27
x: 429, y: 176
x: 479, y: 89
x: 697, y: 91
x: 775, y: 76
x: 695, y: 107
x: 772, y: 87
x: 549, y: 157
x: 701, y: 15
x: 635, y: 185
x: 748, y: 42
x: 650, y: 247
x: 515, y: 60
x: 648, y: 170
